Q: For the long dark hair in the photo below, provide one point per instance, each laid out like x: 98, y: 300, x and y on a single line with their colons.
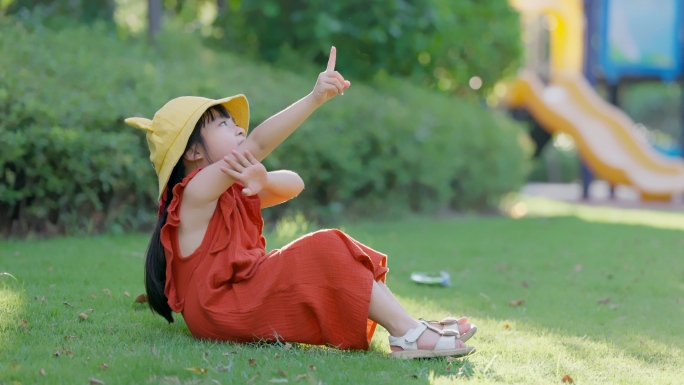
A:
x: 155, y: 260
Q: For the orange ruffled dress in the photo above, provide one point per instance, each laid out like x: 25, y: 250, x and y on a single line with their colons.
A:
x: 316, y: 290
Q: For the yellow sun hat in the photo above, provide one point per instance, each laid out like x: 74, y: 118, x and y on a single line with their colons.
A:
x: 168, y: 132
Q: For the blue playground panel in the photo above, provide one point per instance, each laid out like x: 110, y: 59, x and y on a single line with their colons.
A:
x: 672, y: 150
x: 641, y: 38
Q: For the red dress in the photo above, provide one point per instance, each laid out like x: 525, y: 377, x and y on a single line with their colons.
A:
x: 316, y: 290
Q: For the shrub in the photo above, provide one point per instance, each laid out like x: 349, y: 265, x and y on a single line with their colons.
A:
x: 69, y: 163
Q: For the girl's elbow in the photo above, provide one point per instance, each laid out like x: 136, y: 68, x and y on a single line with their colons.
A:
x: 300, y: 186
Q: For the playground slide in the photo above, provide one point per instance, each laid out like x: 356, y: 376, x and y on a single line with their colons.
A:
x: 603, y: 134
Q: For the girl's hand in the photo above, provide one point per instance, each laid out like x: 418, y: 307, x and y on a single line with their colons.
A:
x: 247, y: 170
x: 330, y: 82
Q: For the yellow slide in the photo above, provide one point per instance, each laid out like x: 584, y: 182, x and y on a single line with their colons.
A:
x: 603, y: 134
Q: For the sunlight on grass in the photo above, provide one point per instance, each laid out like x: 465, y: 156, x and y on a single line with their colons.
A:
x: 11, y: 304
x: 291, y: 227
x: 518, y: 206
x: 515, y: 351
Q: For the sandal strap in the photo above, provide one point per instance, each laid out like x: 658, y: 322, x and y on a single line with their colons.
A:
x: 445, y: 321
x: 413, y: 334
x: 447, y: 337
x: 447, y: 331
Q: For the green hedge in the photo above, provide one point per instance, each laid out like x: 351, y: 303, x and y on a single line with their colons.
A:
x: 69, y: 163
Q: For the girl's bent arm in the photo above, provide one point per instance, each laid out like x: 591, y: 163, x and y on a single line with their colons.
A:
x: 282, y: 186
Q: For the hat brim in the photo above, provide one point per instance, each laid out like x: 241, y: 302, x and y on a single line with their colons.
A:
x: 237, y: 107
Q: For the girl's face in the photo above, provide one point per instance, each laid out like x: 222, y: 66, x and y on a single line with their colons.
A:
x: 220, y: 136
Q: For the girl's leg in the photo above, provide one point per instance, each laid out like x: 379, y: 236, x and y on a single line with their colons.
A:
x: 386, y: 310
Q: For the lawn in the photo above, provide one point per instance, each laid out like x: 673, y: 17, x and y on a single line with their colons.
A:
x: 594, y: 294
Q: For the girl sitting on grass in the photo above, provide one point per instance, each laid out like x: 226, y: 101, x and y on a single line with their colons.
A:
x: 207, y: 258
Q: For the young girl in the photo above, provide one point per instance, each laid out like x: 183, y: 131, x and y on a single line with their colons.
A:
x: 207, y: 258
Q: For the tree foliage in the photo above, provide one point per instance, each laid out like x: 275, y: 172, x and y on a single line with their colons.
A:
x: 440, y: 43
x: 83, y: 10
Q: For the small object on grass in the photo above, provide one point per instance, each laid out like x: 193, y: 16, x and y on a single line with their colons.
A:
x: 436, y: 279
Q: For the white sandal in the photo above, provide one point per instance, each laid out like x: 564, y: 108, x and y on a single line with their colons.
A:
x: 447, y: 322
x: 443, y: 348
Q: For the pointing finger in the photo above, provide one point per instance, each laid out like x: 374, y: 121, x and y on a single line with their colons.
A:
x: 331, y: 59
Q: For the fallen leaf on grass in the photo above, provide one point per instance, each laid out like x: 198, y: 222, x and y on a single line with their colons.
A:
x: 66, y: 338
x: 64, y: 350
x: 516, y: 302
x: 506, y: 326
x: 16, y: 367
x: 107, y: 291
x: 603, y: 301
x: 92, y: 294
x: 299, y: 377
x: 282, y: 374
x: 198, y: 370
x: 103, y: 366
x: 126, y: 294
x: 95, y: 381
x: 142, y: 298
x: 525, y: 284
x: 411, y: 375
x: 23, y: 323
x: 42, y: 372
x: 277, y: 355
x: 252, y: 361
x: 288, y: 345
x: 83, y: 316
x: 312, y: 367
x: 68, y: 304
x: 568, y: 379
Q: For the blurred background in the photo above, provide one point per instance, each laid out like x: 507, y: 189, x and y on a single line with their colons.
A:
x: 439, y: 118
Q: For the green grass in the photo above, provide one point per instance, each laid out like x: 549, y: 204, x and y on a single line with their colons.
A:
x: 560, y: 259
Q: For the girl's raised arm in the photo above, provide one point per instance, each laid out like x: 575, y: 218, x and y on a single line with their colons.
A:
x: 206, y: 187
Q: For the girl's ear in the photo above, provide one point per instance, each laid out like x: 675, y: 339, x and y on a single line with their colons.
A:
x: 193, y: 154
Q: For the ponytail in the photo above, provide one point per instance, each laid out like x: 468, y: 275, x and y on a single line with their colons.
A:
x: 155, y: 258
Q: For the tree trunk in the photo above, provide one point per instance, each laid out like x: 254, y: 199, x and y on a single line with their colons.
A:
x: 154, y: 18
x: 221, y: 6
